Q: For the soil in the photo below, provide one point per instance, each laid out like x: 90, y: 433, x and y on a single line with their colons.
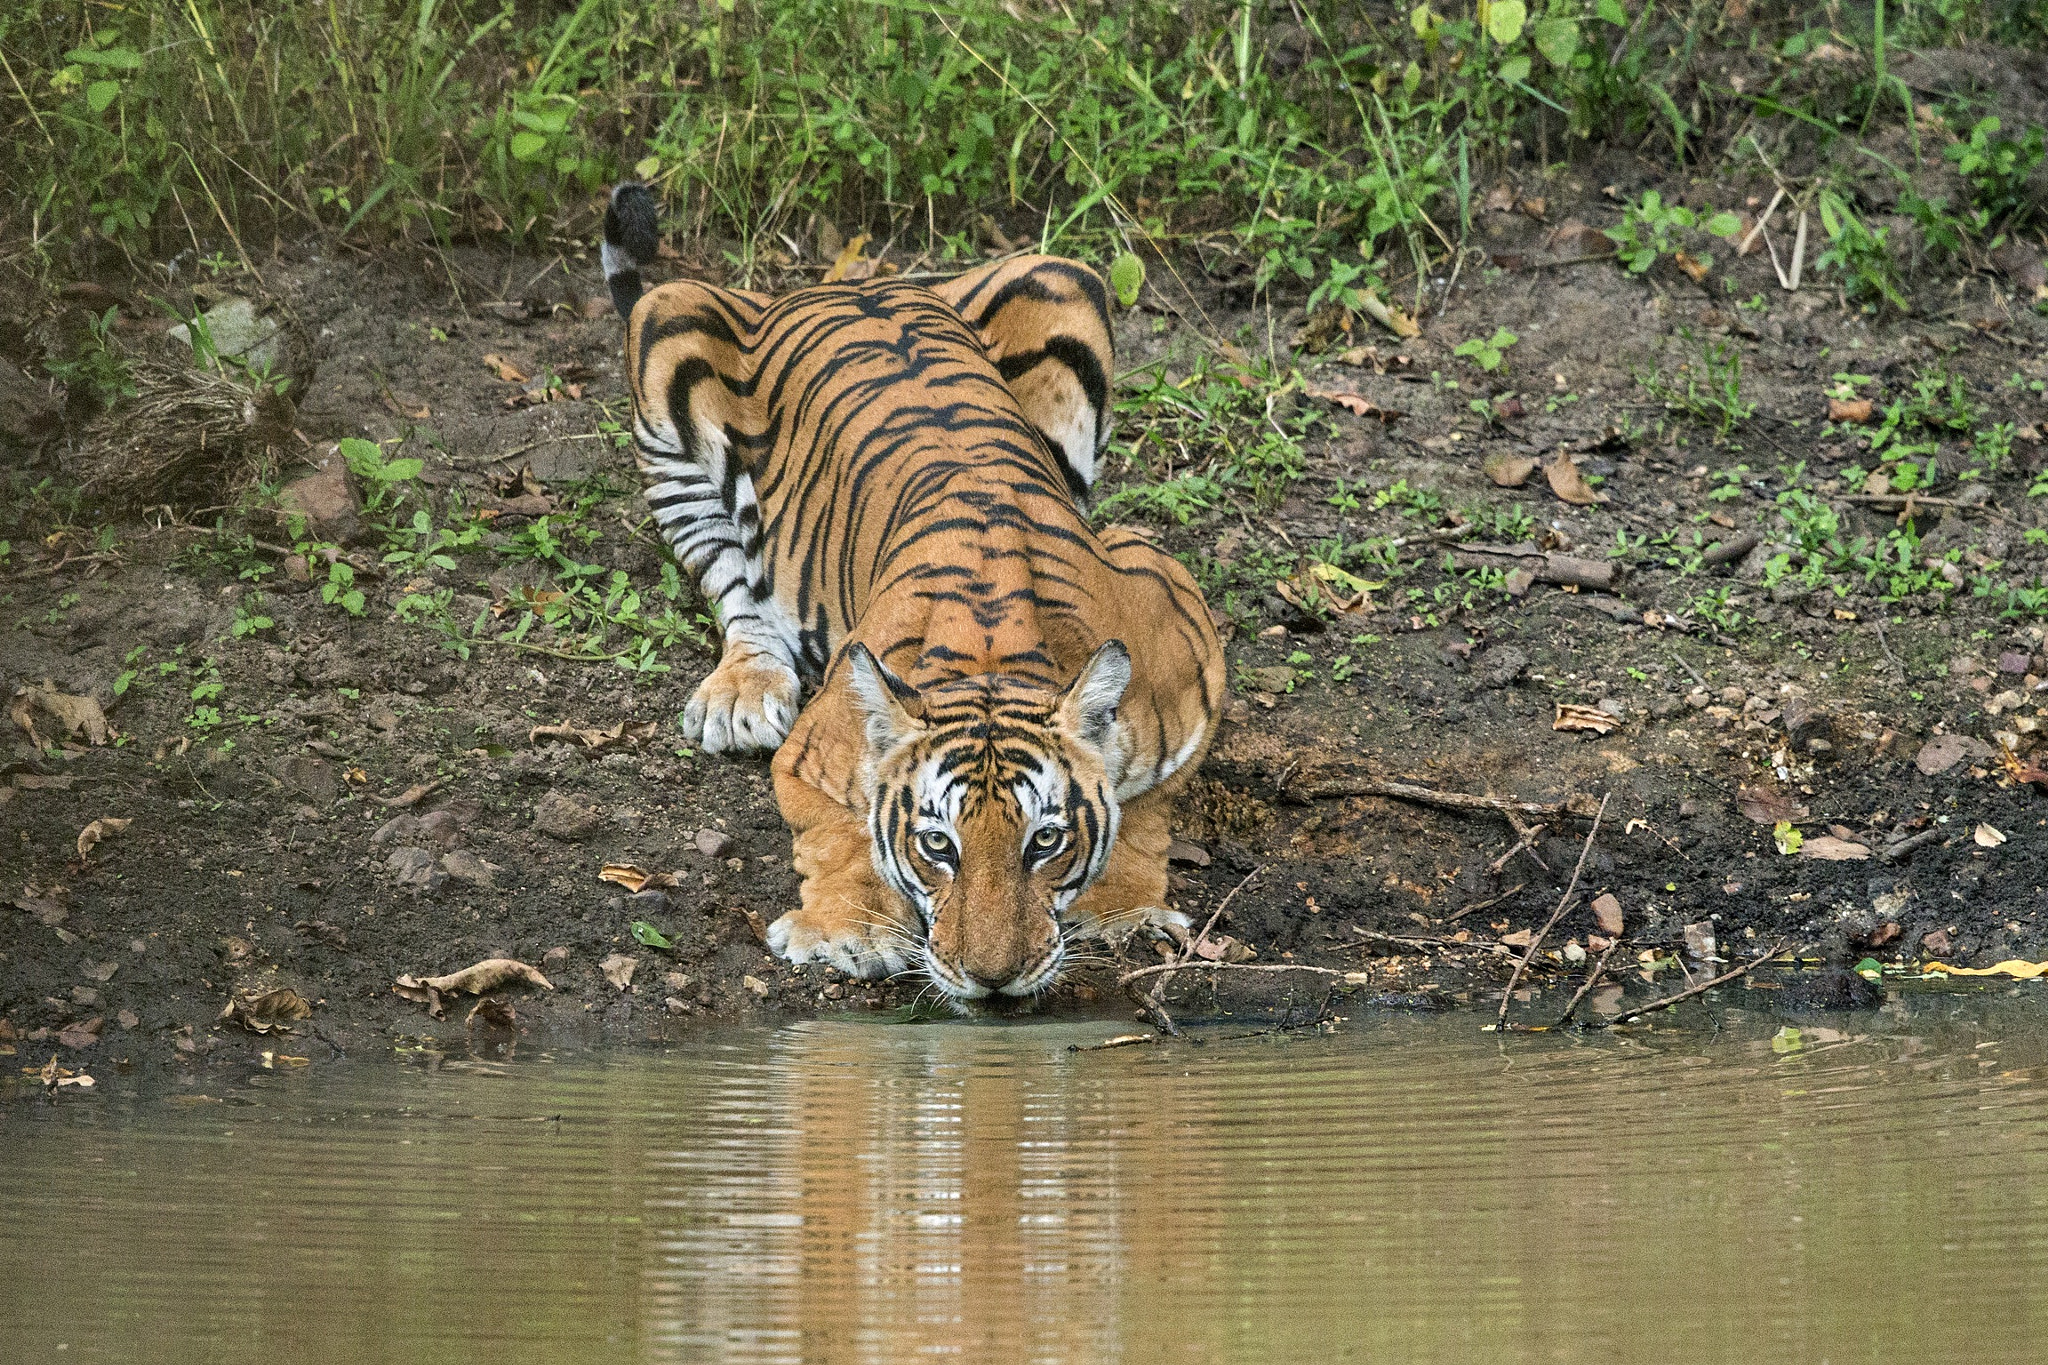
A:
x: 273, y: 850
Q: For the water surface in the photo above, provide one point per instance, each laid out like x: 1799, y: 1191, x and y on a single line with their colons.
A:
x: 1408, y: 1189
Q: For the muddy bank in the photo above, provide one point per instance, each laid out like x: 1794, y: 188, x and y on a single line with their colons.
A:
x: 324, y: 801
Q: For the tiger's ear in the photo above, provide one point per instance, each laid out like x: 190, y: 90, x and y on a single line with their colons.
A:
x: 1088, y: 710
x: 891, y: 707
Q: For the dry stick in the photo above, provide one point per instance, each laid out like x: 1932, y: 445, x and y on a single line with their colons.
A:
x: 1702, y: 988
x: 1129, y: 977
x: 1408, y: 791
x: 1592, y: 980
x: 1563, y: 904
x: 1476, y: 906
x: 1217, y: 913
x: 1762, y: 222
x: 1153, y: 1003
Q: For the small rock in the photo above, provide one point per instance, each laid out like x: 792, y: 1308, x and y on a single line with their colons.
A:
x: 1699, y: 939
x: 313, y: 778
x: 1938, y: 943
x: 415, y: 870
x: 1273, y: 678
x: 467, y: 867
x: 554, y: 957
x: 676, y: 982
x: 1804, y: 721
x: 712, y: 843
x: 561, y: 816
x: 1943, y: 752
x: 649, y: 902
x: 1500, y: 666
x: 2014, y: 661
x: 397, y: 829
x: 618, y: 969
x: 1607, y: 913
x: 755, y: 984
x: 1187, y: 853
x: 325, y: 499
x: 442, y: 828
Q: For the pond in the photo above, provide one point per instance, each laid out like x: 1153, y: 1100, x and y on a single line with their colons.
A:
x: 1403, y: 1189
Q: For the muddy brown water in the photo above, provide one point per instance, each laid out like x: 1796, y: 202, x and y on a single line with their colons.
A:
x: 1407, y: 1189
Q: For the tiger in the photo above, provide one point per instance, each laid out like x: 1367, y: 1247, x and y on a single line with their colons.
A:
x: 881, y: 490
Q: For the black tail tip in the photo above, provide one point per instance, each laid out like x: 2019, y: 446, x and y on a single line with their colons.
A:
x: 631, y: 221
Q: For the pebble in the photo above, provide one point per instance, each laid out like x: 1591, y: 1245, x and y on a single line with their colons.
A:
x: 561, y: 816
x: 712, y: 843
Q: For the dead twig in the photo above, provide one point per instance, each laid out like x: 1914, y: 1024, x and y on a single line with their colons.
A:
x: 1476, y: 906
x: 1195, y: 943
x: 1886, y: 646
x: 46, y: 570
x: 1627, y: 1016
x: 1564, y: 903
x: 1892, y: 853
x: 1592, y: 980
x: 1129, y: 977
x: 1426, y: 942
x: 1581, y: 806
x: 1121, y: 1040
x: 1526, y: 839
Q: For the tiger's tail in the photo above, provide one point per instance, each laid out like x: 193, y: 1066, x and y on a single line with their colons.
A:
x: 629, y: 242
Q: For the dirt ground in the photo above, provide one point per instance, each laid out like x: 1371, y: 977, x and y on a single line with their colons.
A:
x: 288, y: 847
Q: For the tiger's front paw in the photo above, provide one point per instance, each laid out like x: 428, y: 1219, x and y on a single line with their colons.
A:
x: 857, y: 943
x: 748, y: 702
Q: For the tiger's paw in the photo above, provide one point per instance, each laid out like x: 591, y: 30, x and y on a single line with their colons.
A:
x: 874, y: 948
x: 1120, y: 926
x: 748, y: 702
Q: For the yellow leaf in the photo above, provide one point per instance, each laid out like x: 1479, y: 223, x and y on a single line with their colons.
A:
x: 2025, y: 971
x: 851, y: 265
x: 1343, y: 578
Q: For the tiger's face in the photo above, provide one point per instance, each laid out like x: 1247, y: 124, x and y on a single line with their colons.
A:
x: 991, y: 806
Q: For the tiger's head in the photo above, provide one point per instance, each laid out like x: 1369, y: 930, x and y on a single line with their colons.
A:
x: 991, y: 805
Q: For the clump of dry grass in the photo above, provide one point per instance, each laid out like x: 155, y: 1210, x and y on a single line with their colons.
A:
x: 189, y: 437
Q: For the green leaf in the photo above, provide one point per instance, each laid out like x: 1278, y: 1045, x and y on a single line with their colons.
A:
x: 1557, y: 39
x: 1515, y: 69
x: 1787, y: 837
x: 100, y: 94
x: 528, y: 146
x: 119, y: 58
x: 1787, y: 1039
x: 1869, y: 967
x: 1127, y: 276
x: 1504, y: 20
x: 1612, y: 12
x: 1724, y: 224
x: 647, y: 936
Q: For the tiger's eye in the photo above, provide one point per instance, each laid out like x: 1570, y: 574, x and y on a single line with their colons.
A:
x: 935, y: 843
x: 1049, y: 837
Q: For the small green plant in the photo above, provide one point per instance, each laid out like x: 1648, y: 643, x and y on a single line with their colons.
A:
x: 206, y: 691
x: 1857, y: 254
x: 1707, y: 389
x: 382, y: 479
x: 97, y: 366
x: 249, y: 619
x: 340, y: 590
x: 1997, y: 169
x: 1647, y: 230
x: 1488, y: 353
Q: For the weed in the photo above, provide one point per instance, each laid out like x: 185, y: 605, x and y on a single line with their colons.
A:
x: 1488, y: 353
x: 249, y: 619
x: 97, y: 367
x: 1648, y: 230
x: 1708, y: 389
x: 1857, y: 254
x: 1997, y: 169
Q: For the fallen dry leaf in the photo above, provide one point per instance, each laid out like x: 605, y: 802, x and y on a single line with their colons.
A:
x: 74, y: 715
x: 1943, y: 752
x: 493, y: 1013
x: 1510, y: 471
x: 1765, y: 805
x: 1569, y: 483
x: 102, y: 972
x: 410, y: 796
x: 1693, y: 265
x: 90, y: 837
x: 505, y: 369
x: 1987, y: 836
x: 1521, y: 938
x: 1849, y: 410
x: 591, y: 738
x: 1500, y: 199
x: 489, y: 974
x: 80, y: 1034
x: 1370, y: 355
x: 2025, y: 971
x: 271, y: 1011
x: 618, y: 968
x: 1829, y: 849
x: 1607, y: 913
x: 1355, y: 403
x: 634, y: 878
x: 850, y: 264
x: 1388, y: 316
x: 1571, y: 716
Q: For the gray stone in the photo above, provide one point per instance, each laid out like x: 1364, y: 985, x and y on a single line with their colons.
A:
x: 239, y: 332
x: 712, y: 843
x: 414, y: 869
x: 560, y: 816
x: 467, y: 867
x: 311, y: 777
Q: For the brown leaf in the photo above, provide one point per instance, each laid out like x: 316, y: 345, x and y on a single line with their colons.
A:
x: 850, y: 264
x: 472, y: 980
x: 1768, y: 805
x: 591, y: 738
x: 1568, y: 483
x: 618, y: 968
x: 1500, y: 199
x: 1535, y: 206
x: 1692, y: 265
x: 1607, y: 913
x: 1849, y: 410
x: 505, y: 369
x: 1521, y: 938
x: 74, y: 715
x: 1829, y: 849
x: 1943, y: 752
x: 1574, y: 717
x: 635, y: 878
x: 410, y: 796
x: 1355, y: 403
x: 493, y: 1012
x: 90, y: 837
x: 81, y: 1034
x: 268, y: 1011
x: 1510, y: 471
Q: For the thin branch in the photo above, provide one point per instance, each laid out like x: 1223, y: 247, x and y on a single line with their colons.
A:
x: 1702, y: 988
x: 1592, y: 980
x: 1476, y: 906
x: 1564, y: 903
x: 1578, y: 805
x: 1129, y: 977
